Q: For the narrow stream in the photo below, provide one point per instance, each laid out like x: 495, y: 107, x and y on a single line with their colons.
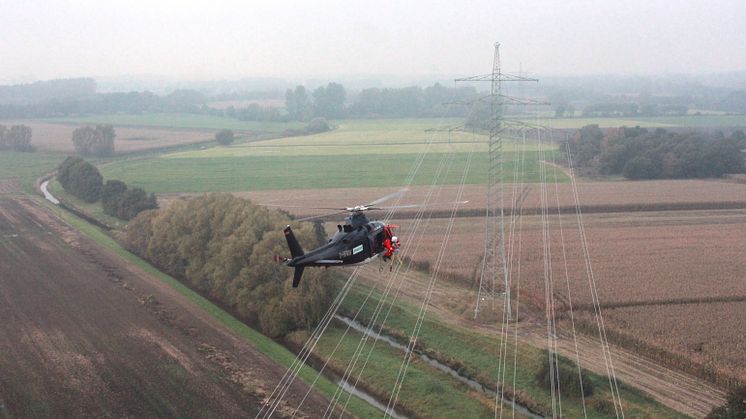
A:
x: 435, y: 363
x: 346, y: 386
x: 368, y: 398
x: 48, y: 195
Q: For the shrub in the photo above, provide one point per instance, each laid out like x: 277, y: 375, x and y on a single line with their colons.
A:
x: 734, y: 407
x: 317, y: 125
x: 566, y: 377
x: 123, y: 203
x: 224, y: 137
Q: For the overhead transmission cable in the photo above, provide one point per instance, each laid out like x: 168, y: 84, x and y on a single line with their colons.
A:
x: 310, y: 344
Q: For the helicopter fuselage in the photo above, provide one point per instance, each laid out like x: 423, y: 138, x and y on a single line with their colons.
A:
x: 357, y: 242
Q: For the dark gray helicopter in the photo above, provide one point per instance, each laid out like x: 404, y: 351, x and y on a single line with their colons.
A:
x: 357, y: 242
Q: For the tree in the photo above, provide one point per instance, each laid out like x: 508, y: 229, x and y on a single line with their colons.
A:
x: 119, y: 201
x: 224, y: 137
x: 329, y: 101
x: 17, y: 138
x: 80, y: 178
x: 110, y: 193
x: 734, y: 407
x: 94, y: 141
x: 298, y: 104
x: 223, y: 246
x: 641, y: 167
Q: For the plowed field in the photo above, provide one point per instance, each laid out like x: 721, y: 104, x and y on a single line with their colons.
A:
x: 83, y: 334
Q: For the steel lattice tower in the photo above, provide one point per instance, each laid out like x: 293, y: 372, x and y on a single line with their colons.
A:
x: 494, y: 263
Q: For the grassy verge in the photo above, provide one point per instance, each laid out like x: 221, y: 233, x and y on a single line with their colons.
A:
x: 272, y: 349
x: 426, y: 392
x: 94, y: 210
x: 475, y: 355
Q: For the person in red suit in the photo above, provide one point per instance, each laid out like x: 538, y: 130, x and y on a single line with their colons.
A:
x: 391, y: 245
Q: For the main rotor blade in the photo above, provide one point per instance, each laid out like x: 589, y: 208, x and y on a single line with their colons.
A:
x: 435, y: 204
x: 387, y: 197
x: 313, y: 217
x: 302, y: 206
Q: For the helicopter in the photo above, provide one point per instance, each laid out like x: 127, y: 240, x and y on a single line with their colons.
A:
x: 357, y: 242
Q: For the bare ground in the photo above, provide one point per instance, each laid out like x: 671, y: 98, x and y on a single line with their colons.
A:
x: 86, y: 334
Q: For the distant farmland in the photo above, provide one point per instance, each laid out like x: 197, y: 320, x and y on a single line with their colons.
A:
x: 189, y: 121
x: 58, y: 137
x: 358, y: 154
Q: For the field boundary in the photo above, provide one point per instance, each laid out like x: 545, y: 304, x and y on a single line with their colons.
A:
x: 586, y: 209
x: 673, y: 301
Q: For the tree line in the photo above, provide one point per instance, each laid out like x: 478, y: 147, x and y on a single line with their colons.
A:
x: 330, y: 101
x: 94, y: 141
x: 224, y: 247
x: 83, y: 180
x: 183, y: 101
x: 632, y: 109
x: 640, y: 153
x: 16, y: 138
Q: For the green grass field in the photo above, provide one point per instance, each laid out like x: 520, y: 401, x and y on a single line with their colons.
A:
x: 191, y: 121
x: 359, y: 153
x: 25, y: 168
x: 426, y: 391
x: 250, y: 173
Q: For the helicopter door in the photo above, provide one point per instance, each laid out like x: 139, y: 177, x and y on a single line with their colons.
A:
x: 359, y: 252
x: 377, y: 242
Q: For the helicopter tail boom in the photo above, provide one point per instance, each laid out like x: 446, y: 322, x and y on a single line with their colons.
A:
x: 295, y: 249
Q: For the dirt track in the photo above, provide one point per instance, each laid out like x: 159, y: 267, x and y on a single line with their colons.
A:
x: 85, y: 334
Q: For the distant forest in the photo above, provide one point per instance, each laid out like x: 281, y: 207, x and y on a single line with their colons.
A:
x: 589, y: 98
x: 639, y: 153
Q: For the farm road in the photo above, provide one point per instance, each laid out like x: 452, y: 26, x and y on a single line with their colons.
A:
x: 86, y: 334
x: 453, y: 304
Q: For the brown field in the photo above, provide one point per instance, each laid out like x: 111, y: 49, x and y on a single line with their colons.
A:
x: 58, y: 137
x: 594, y: 196
x: 656, y: 247
x: 671, y: 283
x: 709, y: 334
x: 8, y: 186
x: 85, y: 334
x: 654, y: 263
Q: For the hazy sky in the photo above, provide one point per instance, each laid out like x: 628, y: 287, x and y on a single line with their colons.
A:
x: 226, y: 39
